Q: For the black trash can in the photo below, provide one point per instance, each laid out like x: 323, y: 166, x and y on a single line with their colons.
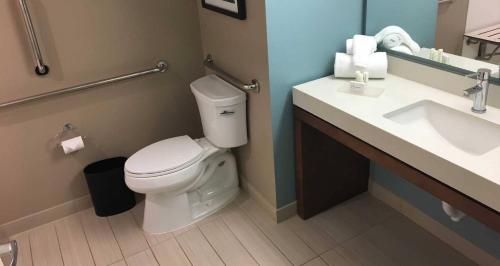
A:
x: 107, y: 187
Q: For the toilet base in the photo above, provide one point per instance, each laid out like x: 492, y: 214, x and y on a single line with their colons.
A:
x: 164, y: 212
x: 158, y: 218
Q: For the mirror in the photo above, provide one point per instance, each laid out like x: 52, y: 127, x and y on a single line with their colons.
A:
x: 460, y: 36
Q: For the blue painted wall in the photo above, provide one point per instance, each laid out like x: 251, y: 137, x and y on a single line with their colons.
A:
x: 470, y: 229
x: 302, y: 37
x: 417, y: 17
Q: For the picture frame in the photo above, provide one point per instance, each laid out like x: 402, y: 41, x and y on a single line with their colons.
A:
x: 232, y: 8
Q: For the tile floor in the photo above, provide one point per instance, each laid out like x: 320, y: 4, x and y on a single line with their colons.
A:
x: 362, y: 231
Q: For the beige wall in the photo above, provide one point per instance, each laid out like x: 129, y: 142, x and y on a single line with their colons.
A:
x: 482, y: 13
x: 240, y: 47
x: 85, y: 41
x: 450, y: 26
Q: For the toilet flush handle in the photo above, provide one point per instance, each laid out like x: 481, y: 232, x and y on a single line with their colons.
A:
x: 226, y: 112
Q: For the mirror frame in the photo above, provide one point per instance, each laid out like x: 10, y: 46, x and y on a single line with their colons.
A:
x: 421, y: 60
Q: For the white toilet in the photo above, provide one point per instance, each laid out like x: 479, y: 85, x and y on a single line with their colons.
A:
x: 186, y: 180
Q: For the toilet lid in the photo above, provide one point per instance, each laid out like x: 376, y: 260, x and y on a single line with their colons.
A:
x: 164, y: 156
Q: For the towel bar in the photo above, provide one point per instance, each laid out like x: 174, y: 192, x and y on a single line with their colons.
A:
x: 254, y: 86
x: 41, y: 68
x: 159, y: 68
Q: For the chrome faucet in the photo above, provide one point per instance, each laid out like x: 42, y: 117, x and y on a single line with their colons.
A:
x: 480, y: 91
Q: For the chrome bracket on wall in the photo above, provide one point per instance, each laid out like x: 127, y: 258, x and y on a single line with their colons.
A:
x: 41, y: 68
x: 253, y: 86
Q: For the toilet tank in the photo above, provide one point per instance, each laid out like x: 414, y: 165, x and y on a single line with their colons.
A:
x: 223, y: 111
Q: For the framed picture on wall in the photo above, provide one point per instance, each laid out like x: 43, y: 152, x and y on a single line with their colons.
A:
x: 233, y: 8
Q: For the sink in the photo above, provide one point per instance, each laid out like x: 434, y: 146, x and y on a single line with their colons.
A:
x: 464, y: 131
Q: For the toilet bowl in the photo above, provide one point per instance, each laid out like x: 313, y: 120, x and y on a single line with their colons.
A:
x: 187, y: 179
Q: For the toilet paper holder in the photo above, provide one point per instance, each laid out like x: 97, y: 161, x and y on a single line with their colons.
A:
x: 67, y: 129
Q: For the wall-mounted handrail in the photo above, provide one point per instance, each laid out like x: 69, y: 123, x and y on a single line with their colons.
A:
x: 159, y: 68
x: 440, y: 2
x: 41, y: 68
x: 11, y: 249
x: 254, y: 86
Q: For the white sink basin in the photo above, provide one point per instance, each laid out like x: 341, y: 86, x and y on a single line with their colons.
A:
x: 464, y: 131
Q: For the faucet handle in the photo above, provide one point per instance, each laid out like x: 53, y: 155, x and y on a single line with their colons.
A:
x: 483, y: 74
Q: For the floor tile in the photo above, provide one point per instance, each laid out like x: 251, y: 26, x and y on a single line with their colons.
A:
x: 120, y: 263
x: 259, y: 246
x: 410, y: 244
x: 45, y: 246
x: 170, y: 253
x: 226, y: 244
x: 102, y: 242
x: 128, y: 234
x: 311, y: 234
x: 367, y: 253
x: 197, y: 248
x: 144, y: 258
x: 316, y: 262
x: 294, y: 248
x: 73, y: 243
x: 341, y: 257
x: 341, y: 223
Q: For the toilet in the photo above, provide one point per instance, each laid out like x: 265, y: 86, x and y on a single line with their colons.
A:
x: 187, y: 179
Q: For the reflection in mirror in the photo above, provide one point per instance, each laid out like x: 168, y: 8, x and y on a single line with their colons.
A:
x: 457, y: 35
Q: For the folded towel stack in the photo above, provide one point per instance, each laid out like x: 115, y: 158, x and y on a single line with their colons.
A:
x: 361, y: 56
x: 345, y: 68
x: 362, y: 48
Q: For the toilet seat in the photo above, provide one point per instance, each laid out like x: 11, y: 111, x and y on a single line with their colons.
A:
x: 164, y: 157
x: 181, y: 170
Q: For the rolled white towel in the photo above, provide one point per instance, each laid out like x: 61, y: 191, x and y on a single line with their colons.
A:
x: 362, y: 47
x: 348, y: 46
x: 393, y: 36
x: 402, y: 49
x: 345, y: 68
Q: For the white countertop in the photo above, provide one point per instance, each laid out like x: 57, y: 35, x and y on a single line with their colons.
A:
x: 477, y: 176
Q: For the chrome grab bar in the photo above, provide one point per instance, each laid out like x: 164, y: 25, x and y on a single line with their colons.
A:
x: 40, y: 68
x: 159, y: 68
x: 10, y: 248
x: 440, y: 2
x: 254, y: 86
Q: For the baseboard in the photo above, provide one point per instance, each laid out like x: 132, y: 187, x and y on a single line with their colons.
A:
x: 44, y: 216
x: 255, y: 195
x: 286, y: 212
x: 446, y: 235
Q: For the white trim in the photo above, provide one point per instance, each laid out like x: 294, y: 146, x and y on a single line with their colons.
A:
x: 446, y: 235
x: 45, y: 216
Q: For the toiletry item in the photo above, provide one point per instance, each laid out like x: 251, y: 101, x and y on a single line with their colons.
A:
x: 362, y: 89
x: 377, y: 66
x: 362, y: 47
x: 446, y: 59
x: 356, y: 85
x: 72, y: 145
x: 433, y: 54
x: 359, y: 76
x: 440, y: 55
x: 366, y: 77
x: 393, y: 36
